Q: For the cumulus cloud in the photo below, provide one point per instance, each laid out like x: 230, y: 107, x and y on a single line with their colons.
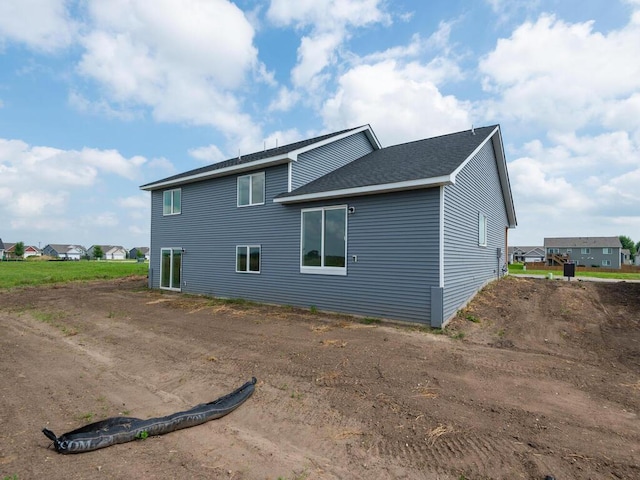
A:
x: 208, y: 154
x: 44, y: 187
x: 329, y: 23
x: 43, y: 25
x: 562, y: 75
x: 182, y: 60
x: 401, y: 102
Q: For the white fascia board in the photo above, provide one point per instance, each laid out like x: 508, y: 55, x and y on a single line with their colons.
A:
x: 496, y: 139
x: 365, y: 128
x: 368, y: 190
x: 243, y: 167
x: 504, y: 179
x: 473, y: 154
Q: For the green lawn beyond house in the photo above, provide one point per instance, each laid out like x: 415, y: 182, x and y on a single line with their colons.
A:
x: 517, y: 268
x: 15, y: 274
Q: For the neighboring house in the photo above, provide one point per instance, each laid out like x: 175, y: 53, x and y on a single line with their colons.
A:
x: 29, y: 251
x: 586, y: 251
x: 64, y: 251
x: 341, y: 224
x: 526, y: 254
x: 109, y: 252
x: 144, y: 251
x: 8, y: 250
x: 626, y: 256
x: 1, y: 250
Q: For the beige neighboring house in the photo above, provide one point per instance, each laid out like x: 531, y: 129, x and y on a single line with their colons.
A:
x: 109, y: 252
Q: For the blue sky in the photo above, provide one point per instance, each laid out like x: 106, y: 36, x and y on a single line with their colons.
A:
x: 100, y: 97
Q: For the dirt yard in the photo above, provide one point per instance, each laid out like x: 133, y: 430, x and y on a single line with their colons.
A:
x: 534, y: 378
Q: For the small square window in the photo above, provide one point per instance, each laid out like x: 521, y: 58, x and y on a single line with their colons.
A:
x: 251, y: 189
x: 248, y: 259
x: 171, y: 202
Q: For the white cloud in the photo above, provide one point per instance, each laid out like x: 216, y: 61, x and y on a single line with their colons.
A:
x: 208, y: 154
x: 44, y: 187
x: 182, y: 60
x: 329, y: 22
x: 140, y: 201
x: 41, y: 24
x: 401, y: 102
x: 103, y: 219
x: 285, y: 100
x: 560, y: 75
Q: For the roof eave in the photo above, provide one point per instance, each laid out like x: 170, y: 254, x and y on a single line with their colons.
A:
x: 262, y: 163
x: 367, y: 190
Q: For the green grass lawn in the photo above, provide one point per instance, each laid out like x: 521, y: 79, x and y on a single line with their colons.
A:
x: 517, y: 269
x: 15, y: 274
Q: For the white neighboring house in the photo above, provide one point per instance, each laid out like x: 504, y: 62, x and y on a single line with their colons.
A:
x: 109, y: 252
x: 526, y: 254
x: 64, y: 251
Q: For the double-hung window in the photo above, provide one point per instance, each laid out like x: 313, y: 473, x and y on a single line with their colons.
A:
x: 324, y: 241
x: 606, y: 263
x: 606, y: 251
x: 248, y: 259
x: 171, y: 201
x: 482, y: 230
x: 251, y: 189
x: 585, y: 251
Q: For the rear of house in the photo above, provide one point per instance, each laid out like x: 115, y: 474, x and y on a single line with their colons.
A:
x: 603, y: 252
x: 408, y: 232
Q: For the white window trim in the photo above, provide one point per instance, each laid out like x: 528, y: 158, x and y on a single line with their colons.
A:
x: 606, y: 263
x: 321, y: 270
x: 483, y: 229
x: 248, y: 248
x: 171, y: 249
x: 164, y: 192
x: 607, y: 250
x: 585, y: 251
x: 251, y: 202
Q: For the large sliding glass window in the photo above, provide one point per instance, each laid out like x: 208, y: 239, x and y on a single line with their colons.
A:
x: 324, y: 241
x: 170, y: 268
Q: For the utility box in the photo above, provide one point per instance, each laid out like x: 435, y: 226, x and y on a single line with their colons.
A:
x: 569, y: 270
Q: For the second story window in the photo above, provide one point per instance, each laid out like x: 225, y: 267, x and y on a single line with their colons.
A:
x: 171, y: 202
x: 251, y: 189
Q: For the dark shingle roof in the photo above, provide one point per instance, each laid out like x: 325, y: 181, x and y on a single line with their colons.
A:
x: 252, y: 157
x: 582, y: 242
x: 422, y: 159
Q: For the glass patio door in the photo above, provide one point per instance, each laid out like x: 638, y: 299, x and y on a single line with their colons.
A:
x: 170, y: 268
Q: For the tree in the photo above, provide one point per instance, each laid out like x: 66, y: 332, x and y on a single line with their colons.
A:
x: 18, y: 250
x: 97, y: 252
x: 628, y: 244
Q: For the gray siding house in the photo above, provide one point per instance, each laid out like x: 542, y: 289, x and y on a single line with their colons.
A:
x: 409, y: 232
x: 603, y: 252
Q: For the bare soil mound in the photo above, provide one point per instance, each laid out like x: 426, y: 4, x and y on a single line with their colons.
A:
x: 533, y: 378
